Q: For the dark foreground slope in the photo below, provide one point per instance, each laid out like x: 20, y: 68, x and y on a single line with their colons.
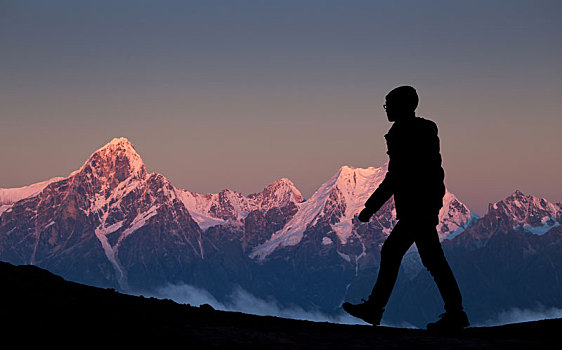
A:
x: 39, y: 307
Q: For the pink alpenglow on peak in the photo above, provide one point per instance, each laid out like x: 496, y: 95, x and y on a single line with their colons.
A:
x: 116, y: 160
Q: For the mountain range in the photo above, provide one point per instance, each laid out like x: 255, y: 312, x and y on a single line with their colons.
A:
x: 113, y: 224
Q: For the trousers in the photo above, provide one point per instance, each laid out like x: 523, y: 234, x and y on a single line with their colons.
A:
x: 423, y: 233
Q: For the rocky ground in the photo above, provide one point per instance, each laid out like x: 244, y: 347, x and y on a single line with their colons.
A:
x: 39, y: 308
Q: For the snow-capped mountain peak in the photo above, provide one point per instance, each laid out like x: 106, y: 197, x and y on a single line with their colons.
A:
x: 115, y: 161
x: 338, y: 200
x: 534, y: 214
x: 109, y: 200
x: 278, y: 194
x: 454, y: 217
x: 347, y: 197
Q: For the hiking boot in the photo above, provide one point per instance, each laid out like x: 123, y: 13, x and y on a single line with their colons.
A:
x: 365, y: 311
x: 449, y: 321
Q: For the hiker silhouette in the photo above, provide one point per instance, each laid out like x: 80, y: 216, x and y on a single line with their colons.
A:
x: 416, y: 179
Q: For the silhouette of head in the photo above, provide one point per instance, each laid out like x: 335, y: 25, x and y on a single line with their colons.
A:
x: 401, y: 103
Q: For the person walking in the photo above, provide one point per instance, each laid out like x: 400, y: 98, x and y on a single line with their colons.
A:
x: 415, y: 178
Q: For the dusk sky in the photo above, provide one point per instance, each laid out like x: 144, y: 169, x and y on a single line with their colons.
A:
x: 236, y: 94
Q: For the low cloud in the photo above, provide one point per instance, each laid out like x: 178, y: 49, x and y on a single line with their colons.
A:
x: 517, y: 315
x: 242, y: 301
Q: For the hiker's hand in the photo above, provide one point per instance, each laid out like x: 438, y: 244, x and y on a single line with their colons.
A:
x: 365, y: 215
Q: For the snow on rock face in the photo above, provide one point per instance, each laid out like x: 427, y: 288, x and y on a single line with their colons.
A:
x: 216, y: 208
x: 4, y: 207
x: 232, y: 207
x: 352, y: 188
x: 199, y: 207
x: 454, y: 217
x: 533, y: 214
x: 338, y: 200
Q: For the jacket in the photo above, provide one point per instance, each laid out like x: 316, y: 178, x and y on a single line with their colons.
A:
x: 415, y: 176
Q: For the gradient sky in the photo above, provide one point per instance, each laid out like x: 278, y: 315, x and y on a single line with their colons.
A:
x: 236, y: 94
